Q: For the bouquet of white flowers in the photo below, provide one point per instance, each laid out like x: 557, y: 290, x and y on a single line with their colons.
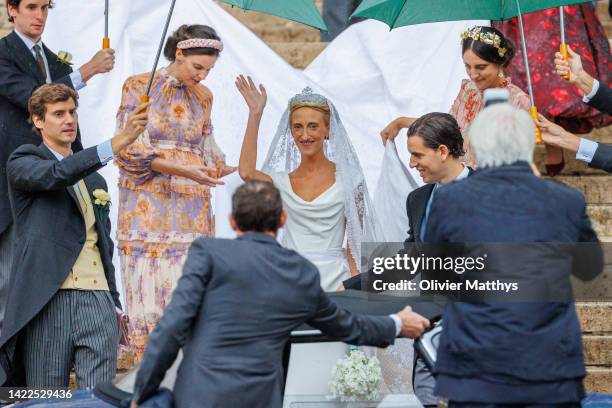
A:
x: 356, y: 377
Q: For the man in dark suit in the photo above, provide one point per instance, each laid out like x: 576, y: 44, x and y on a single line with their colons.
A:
x: 435, y: 144
x: 596, y: 94
x: 507, y: 353
x: 25, y: 64
x: 235, y: 306
x: 62, y: 297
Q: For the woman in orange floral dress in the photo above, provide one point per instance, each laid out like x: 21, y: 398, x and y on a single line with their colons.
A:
x: 486, y: 52
x: 166, y: 175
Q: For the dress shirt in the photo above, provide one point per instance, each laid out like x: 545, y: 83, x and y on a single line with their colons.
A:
x: 75, y: 77
x: 587, y: 98
x: 105, y: 152
x: 586, y: 150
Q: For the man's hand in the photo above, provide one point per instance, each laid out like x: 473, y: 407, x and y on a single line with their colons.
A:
x: 135, y: 125
x: 133, y: 404
x: 413, y: 324
x: 555, y: 135
x: 573, y: 68
x: 103, y: 61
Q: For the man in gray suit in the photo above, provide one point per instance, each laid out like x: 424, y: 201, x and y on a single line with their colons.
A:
x: 235, y: 306
x: 62, y: 297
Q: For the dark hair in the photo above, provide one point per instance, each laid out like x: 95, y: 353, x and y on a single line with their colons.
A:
x: 489, y: 52
x: 436, y: 129
x: 46, y: 94
x: 186, y: 32
x: 15, y: 3
x: 257, y: 206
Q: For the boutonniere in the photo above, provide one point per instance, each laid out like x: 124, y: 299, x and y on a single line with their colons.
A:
x: 64, y: 57
x: 101, y: 201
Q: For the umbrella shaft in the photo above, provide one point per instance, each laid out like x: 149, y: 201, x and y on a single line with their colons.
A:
x: 562, y: 24
x: 105, y: 18
x: 161, y: 44
x: 524, y: 48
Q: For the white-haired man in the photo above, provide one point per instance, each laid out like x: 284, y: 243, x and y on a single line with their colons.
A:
x: 511, y: 353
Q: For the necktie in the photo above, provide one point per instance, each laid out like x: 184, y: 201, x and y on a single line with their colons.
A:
x: 41, y: 62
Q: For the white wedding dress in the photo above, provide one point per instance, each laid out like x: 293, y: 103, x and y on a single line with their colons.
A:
x: 316, y: 229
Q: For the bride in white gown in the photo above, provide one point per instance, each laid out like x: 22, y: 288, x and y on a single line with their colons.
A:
x: 313, y: 164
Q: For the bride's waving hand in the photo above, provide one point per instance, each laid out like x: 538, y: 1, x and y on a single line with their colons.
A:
x: 255, y: 98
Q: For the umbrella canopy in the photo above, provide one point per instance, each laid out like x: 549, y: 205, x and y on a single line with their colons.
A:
x: 398, y: 13
x: 301, y: 11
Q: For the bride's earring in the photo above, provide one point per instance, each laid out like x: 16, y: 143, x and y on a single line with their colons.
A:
x: 500, y: 73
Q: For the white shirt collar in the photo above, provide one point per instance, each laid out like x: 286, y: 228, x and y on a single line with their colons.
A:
x: 56, y: 154
x: 462, y: 175
x: 29, y: 43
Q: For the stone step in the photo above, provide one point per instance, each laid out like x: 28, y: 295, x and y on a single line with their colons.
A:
x: 595, y: 317
x: 597, y: 350
x: 298, y: 54
x: 597, y: 189
x: 598, y: 380
x: 289, y: 32
x: 601, y: 218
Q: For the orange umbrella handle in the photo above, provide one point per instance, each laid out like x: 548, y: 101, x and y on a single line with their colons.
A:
x: 144, y: 99
x: 106, y: 42
x: 538, y: 133
x: 565, y: 55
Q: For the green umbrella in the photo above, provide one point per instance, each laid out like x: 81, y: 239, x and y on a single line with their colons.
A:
x: 398, y: 13
x: 301, y: 11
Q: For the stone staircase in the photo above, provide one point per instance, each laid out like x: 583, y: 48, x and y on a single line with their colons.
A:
x: 299, y: 45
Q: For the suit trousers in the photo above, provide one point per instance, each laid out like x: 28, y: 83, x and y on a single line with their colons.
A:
x: 6, y: 258
x: 76, y: 328
x: 423, y: 382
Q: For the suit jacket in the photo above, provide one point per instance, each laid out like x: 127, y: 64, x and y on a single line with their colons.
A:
x: 522, y: 342
x: 49, y: 235
x: 602, y: 159
x: 602, y: 100
x: 232, y: 313
x: 19, y: 77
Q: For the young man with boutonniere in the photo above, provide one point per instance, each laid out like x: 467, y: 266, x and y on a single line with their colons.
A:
x: 25, y: 64
x: 62, y: 299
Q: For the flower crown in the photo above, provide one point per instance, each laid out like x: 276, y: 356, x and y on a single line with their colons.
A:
x: 487, y: 38
x: 308, y: 98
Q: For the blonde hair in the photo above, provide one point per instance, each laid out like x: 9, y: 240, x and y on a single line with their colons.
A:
x: 324, y: 109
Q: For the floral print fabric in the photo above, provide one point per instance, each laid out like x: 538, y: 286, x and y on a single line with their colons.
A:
x: 160, y: 214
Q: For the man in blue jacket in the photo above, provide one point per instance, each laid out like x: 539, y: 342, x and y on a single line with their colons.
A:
x: 507, y: 353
